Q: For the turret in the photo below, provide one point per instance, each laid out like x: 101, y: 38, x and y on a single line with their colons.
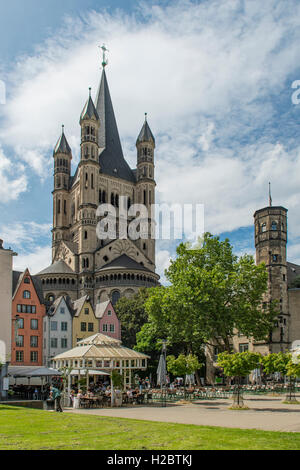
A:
x: 145, y: 145
x: 270, y: 243
x: 62, y: 155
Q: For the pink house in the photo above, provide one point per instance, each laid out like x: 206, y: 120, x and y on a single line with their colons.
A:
x: 109, y: 324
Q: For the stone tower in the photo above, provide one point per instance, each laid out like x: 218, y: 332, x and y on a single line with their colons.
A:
x: 83, y: 264
x: 270, y: 243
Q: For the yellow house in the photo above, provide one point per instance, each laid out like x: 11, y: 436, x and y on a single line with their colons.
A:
x: 85, y: 323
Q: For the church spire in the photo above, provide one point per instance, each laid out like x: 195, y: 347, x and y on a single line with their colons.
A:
x: 112, y: 160
x: 89, y: 111
x: 62, y: 145
x: 145, y: 135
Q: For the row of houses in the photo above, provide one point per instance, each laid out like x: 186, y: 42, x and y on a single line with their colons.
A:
x: 40, y: 329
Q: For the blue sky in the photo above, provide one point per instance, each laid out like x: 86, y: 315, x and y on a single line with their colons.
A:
x: 214, y: 76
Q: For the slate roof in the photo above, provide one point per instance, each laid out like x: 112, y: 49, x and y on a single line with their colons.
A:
x: 89, y: 111
x: 62, y: 145
x: 124, y: 262
x: 111, y: 157
x: 101, y: 307
x: 17, y: 277
x: 78, y: 304
x: 58, y: 267
x: 145, y: 135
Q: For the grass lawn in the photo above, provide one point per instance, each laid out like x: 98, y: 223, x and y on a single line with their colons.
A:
x: 26, y: 428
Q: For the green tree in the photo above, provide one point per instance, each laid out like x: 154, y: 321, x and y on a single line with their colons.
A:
x: 183, y: 365
x: 238, y: 365
x: 213, y: 294
x: 132, y: 315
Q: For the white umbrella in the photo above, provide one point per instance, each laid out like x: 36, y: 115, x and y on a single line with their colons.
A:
x: 161, y: 371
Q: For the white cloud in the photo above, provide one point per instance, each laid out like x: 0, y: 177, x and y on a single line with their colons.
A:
x: 13, y: 180
x: 205, y: 72
x: 35, y: 261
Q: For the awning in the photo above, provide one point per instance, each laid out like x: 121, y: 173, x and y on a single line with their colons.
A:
x: 18, y: 371
x: 91, y: 372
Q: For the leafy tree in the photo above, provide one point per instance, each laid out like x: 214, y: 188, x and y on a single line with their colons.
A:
x: 275, y: 362
x: 183, y: 365
x: 213, y: 294
x: 238, y: 365
x: 132, y: 315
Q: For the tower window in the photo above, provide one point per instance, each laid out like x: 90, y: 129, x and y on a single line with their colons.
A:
x: 274, y: 225
x: 275, y: 258
x: 85, y: 235
x: 264, y: 227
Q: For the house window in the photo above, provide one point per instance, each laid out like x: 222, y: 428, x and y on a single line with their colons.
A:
x: 34, y: 324
x: 91, y: 327
x: 86, y: 311
x: 54, y: 326
x: 62, y: 310
x: 20, y: 341
x: 19, y: 306
x: 20, y: 323
x: 83, y: 326
x: 109, y: 313
x: 26, y: 294
x: 33, y: 356
x: 34, y: 341
x: 27, y: 280
x: 64, y: 343
x: 243, y: 347
x: 112, y: 328
x: 19, y: 356
x: 53, y: 343
x: 104, y: 327
x: 216, y: 352
x: 33, y: 309
x: 64, y: 326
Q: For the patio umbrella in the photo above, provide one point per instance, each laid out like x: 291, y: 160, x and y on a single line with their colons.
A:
x: 161, y: 371
x: 190, y: 379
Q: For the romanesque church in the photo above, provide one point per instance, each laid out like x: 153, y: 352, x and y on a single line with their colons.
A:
x: 83, y: 264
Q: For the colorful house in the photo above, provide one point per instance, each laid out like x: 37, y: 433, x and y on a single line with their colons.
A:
x: 28, y: 311
x: 57, y: 329
x: 109, y: 324
x: 85, y: 323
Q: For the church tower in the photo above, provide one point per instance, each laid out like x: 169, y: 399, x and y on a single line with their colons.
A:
x: 83, y: 264
x: 145, y: 145
x: 270, y: 243
x: 61, y: 203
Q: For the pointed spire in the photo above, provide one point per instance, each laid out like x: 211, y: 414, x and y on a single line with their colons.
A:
x: 111, y: 157
x: 145, y: 135
x: 62, y: 145
x: 270, y: 197
x: 89, y: 111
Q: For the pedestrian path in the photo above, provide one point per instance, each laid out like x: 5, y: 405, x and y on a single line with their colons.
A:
x: 266, y: 413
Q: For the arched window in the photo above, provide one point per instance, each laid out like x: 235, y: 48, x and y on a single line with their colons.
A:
x: 115, y: 297
x: 26, y: 294
x: 112, y: 199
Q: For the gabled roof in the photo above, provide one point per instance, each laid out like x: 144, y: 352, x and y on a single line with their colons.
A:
x: 55, y: 305
x: 17, y: 279
x: 62, y: 145
x: 124, y: 262
x: 101, y: 308
x: 78, y: 304
x: 58, y: 267
x: 111, y: 157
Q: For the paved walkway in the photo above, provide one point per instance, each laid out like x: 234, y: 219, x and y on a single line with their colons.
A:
x: 266, y: 412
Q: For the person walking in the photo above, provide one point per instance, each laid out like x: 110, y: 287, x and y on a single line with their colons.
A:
x: 56, y: 395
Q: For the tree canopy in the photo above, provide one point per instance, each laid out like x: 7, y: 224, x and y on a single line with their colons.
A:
x: 212, y: 296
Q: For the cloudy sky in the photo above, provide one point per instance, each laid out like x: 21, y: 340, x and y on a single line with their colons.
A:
x: 215, y: 78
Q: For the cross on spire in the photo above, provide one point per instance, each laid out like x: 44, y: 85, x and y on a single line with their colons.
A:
x: 104, y: 59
